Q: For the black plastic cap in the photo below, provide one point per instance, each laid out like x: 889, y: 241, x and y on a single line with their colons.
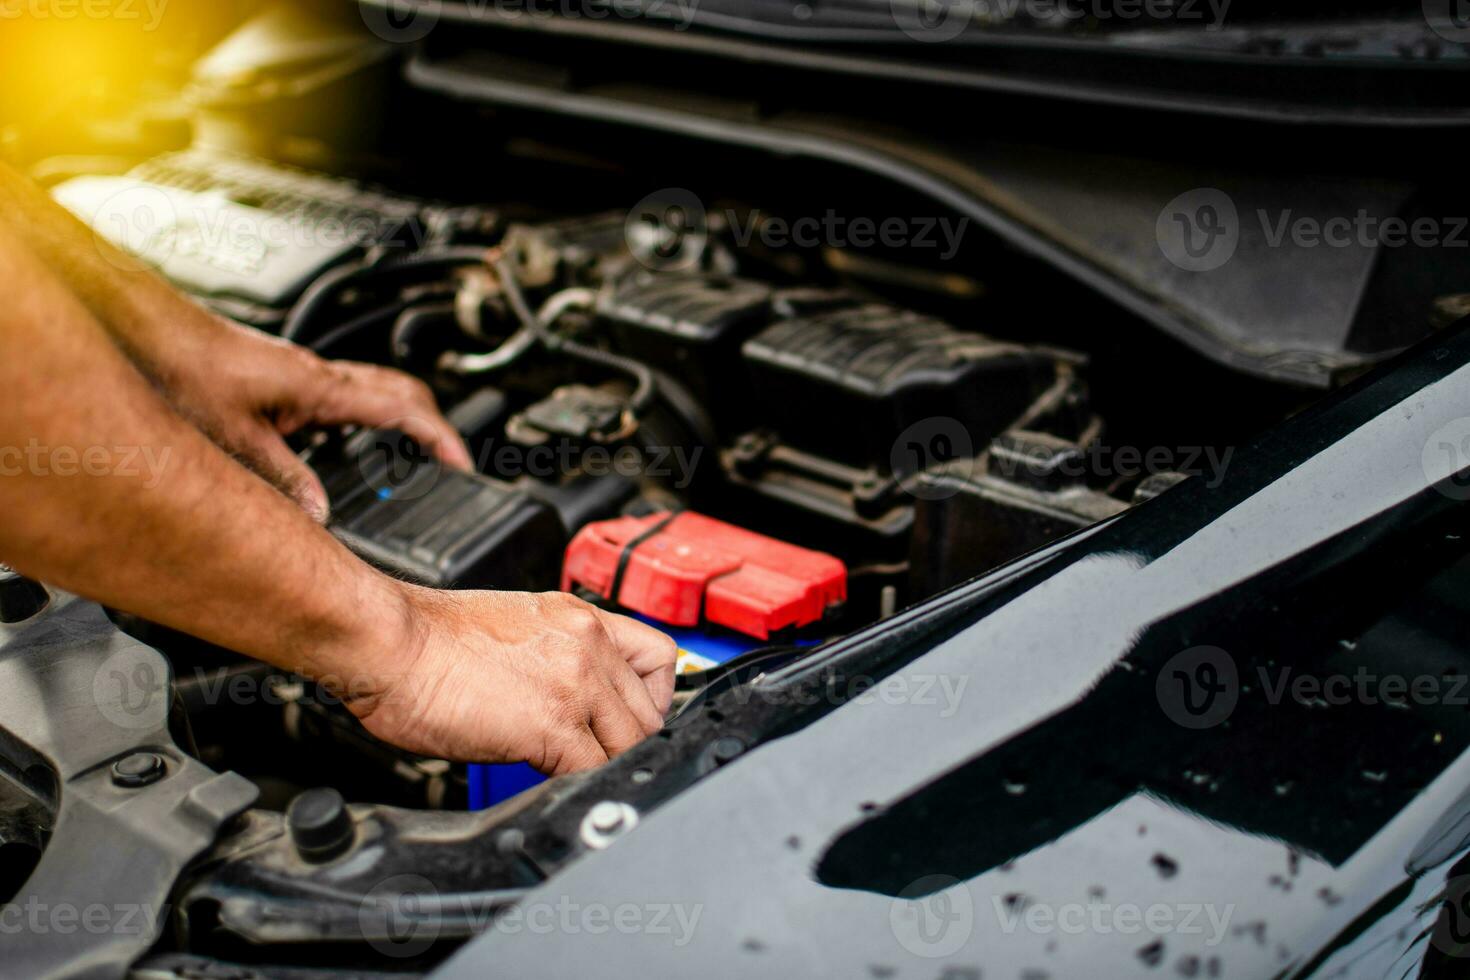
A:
x: 319, y: 823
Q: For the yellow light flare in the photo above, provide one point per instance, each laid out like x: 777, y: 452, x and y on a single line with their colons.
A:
x: 47, y: 61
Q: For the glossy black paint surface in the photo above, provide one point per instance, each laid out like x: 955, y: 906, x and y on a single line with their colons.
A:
x: 1282, y: 830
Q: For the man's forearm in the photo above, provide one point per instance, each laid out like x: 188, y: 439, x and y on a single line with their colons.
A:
x: 143, y: 314
x: 193, y: 541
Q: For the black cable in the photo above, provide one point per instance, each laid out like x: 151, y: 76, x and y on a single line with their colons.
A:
x: 626, y: 556
x: 646, y: 386
x: 410, y: 323
x: 331, y: 284
x: 321, y: 292
x: 383, y: 316
x: 683, y: 404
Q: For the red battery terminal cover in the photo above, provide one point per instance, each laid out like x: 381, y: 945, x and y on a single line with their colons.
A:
x: 673, y: 567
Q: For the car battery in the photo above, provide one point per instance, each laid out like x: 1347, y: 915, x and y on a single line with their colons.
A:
x: 489, y: 784
x: 413, y: 517
x: 686, y: 569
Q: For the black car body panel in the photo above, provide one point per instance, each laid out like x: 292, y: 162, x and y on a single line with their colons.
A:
x: 1080, y: 768
x: 1301, y: 66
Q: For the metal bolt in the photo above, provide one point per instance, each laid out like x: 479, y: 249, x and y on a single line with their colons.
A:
x: 607, y: 821
x: 138, y: 770
x: 606, y: 817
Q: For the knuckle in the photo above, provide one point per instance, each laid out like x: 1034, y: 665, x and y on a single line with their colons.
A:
x: 589, y: 623
x: 305, y: 359
x: 410, y: 388
x: 565, y: 600
x: 557, y: 604
x: 584, y: 622
x: 575, y: 619
x: 339, y: 373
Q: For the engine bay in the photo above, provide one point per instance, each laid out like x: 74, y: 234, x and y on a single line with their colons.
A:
x: 756, y: 452
x: 799, y: 369
x: 675, y: 413
x: 758, y: 429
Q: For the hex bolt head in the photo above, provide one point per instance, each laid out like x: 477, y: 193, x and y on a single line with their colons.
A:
x: 320, y: 826
x: 138, y: 770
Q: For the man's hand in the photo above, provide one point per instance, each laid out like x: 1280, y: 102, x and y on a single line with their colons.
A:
x: 205, y: 547
x: 508, y: 676
x: 245, y: 390
x: 248, y: 391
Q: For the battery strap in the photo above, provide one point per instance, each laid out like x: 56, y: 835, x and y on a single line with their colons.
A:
x: 627, y: 555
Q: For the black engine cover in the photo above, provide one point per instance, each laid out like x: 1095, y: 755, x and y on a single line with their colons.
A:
x: 845, y: 383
